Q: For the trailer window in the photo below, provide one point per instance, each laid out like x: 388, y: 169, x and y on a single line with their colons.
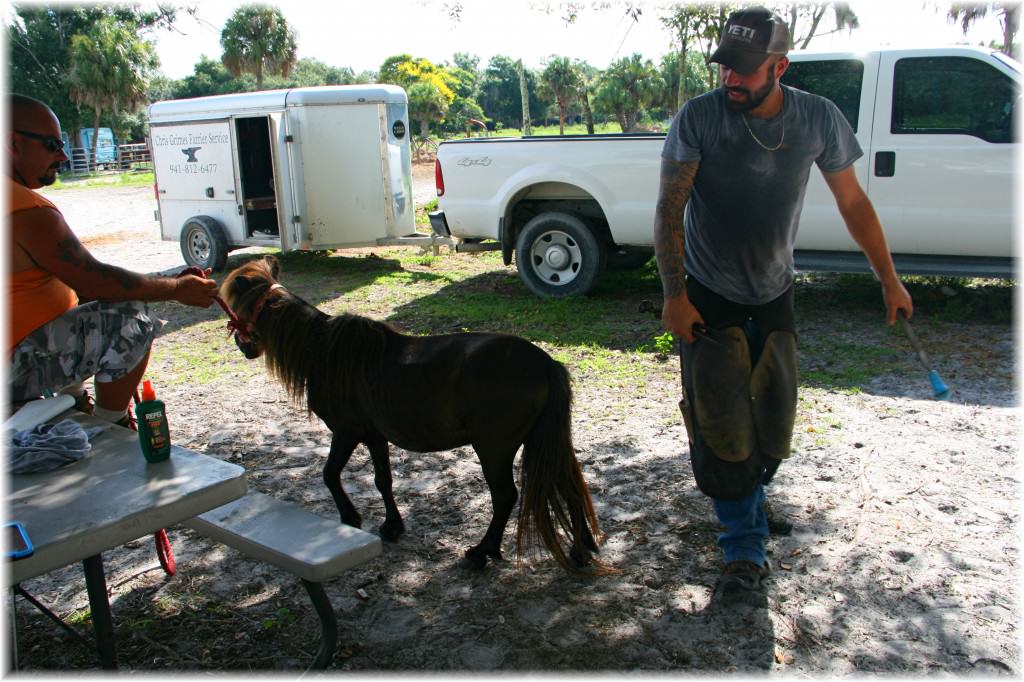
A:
x: 952, y: 96
x: 839, y: 80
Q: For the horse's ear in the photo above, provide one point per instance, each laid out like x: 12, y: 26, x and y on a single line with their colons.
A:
x: 274, y: 265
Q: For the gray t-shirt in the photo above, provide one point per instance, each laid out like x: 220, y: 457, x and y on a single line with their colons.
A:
x: 742, y: 216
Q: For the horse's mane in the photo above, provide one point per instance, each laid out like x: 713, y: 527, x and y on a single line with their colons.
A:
x: 321, y: 360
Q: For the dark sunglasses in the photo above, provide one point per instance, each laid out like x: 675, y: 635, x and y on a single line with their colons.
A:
x: 52, y: 144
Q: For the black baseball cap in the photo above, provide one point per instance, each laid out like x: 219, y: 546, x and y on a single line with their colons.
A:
x: 749, y: 36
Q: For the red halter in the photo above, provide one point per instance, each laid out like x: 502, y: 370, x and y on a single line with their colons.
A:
x: 236, y: 325
x: 244, y: 328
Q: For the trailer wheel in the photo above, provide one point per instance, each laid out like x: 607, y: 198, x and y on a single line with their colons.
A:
x: 558, y: 255
x: 203, y: 243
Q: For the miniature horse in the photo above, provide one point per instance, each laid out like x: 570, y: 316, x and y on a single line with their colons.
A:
x: 374, y: 385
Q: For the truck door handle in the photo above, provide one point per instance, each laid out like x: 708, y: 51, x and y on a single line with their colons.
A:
x: 885, y: 164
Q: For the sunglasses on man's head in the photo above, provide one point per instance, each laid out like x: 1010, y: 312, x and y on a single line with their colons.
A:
x: 52, y: 144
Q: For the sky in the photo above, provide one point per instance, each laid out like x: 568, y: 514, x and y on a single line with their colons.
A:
x: 361, y: 34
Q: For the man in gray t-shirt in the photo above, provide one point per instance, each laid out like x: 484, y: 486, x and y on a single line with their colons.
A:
x: 733, y: 176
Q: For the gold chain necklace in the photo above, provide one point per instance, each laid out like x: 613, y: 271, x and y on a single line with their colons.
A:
x: 762, y: 144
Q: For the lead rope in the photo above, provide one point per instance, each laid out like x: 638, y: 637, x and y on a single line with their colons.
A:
x: 164, y: 552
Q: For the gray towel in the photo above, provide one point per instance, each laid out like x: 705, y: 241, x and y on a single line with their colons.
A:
x: 48, y: 446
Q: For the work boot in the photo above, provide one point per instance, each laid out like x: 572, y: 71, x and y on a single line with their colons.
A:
x: 741, y: 576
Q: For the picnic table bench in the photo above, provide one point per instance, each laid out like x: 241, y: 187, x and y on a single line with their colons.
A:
x: 285, y: 535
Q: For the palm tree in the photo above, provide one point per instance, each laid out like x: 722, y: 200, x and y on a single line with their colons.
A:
x: 257, y: 40
x: 109, y: 70
x: 562, y: 82
x: 427, y: 104
x: 628, y: 87
x: 969, y: 12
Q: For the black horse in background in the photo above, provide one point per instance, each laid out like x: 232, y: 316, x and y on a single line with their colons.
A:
x: 371, y: 384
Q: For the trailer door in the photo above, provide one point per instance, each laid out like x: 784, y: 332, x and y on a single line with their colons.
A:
x: 337, y: 175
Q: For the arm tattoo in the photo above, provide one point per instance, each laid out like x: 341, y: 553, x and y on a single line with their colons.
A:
x: 73, y: 253
x: 669, y: 242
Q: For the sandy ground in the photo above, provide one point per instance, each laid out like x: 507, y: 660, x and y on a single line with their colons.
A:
x: 904, y: 557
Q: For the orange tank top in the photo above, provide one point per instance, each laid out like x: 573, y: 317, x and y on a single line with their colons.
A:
x: 34, y: 296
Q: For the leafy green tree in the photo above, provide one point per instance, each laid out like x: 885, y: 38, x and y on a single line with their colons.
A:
x: 697, y: 26
x: 110, y: 70
x: 499, y: 92
x: 627, y: 88
x: 464, y: 107
x: 560, y: 81
x: 210, y: 77
x: 1009, y: 18
x: 804, y: 20
x: 430, y: 87
x: 681, y: 83
x: 39, y: 43
x: 427, y: 104
x: 311, y: 72
x: 257, y: 40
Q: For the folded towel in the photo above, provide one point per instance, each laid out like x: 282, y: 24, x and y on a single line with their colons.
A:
x: 48, y: 446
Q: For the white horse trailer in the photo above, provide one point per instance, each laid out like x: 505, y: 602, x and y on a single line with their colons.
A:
x: 305, y: 168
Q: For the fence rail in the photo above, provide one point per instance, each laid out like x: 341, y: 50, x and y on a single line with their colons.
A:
x: 128, y: 158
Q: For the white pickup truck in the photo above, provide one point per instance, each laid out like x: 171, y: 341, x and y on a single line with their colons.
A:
x: 939, y: 138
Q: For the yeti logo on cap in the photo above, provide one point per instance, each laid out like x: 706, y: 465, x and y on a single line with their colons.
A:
x: 742, y: 32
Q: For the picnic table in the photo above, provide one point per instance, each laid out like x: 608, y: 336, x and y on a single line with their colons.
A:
x: 110, y: 497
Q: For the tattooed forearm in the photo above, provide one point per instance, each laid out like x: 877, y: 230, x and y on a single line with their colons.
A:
x: 73, y: 253
x: 669, y: 242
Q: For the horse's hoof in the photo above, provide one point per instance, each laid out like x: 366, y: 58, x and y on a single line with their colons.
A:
x: 389, y: 532
x: 579, y: 559
x: 476, y: 558
x: 355, y: 522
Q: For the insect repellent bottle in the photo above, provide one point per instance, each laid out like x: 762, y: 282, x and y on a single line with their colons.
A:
x: 151, y: 418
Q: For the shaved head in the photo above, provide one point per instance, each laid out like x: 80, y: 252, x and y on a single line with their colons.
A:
x: 26, y: 111
x: 34, y: 142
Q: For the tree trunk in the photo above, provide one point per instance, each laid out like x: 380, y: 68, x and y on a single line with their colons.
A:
x: 561, y: 119
x: 259, y: 74
x: 524, y: 94
x: 1011, y: 15
x: 587, y: 114
x: 96, y: 140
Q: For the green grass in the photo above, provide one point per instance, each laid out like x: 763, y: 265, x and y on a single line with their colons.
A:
x: 844, y: 344
x: 104, y: 180
x: 574, y: 129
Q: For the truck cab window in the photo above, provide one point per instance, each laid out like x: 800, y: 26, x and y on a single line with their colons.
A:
x: 952, y: 96
x: 839, y: 80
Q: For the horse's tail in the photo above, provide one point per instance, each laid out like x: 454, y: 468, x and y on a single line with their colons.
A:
x: 556, y: 509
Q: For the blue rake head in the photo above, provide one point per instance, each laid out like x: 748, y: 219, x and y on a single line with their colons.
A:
x: 939, y: 387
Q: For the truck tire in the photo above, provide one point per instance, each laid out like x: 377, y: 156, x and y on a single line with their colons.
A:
x: 203, y: 243
x: 557, y: 255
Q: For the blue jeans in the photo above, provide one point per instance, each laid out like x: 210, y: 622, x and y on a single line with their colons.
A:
x: 746, y: 528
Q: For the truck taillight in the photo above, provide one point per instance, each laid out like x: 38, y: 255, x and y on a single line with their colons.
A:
x: 438, y: 178
x: 156, y: 191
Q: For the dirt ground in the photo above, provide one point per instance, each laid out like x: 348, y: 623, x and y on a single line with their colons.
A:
x: 904, y: 558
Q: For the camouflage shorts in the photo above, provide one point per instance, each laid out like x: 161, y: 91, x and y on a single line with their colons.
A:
x: 100, y: 339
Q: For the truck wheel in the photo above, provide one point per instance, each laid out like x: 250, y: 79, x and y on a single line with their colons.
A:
x: 203, y: 243
x: 557, y: 255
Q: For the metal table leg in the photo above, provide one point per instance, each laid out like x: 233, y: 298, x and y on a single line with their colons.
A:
x: 102, y: 621
x: 328, y: 624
